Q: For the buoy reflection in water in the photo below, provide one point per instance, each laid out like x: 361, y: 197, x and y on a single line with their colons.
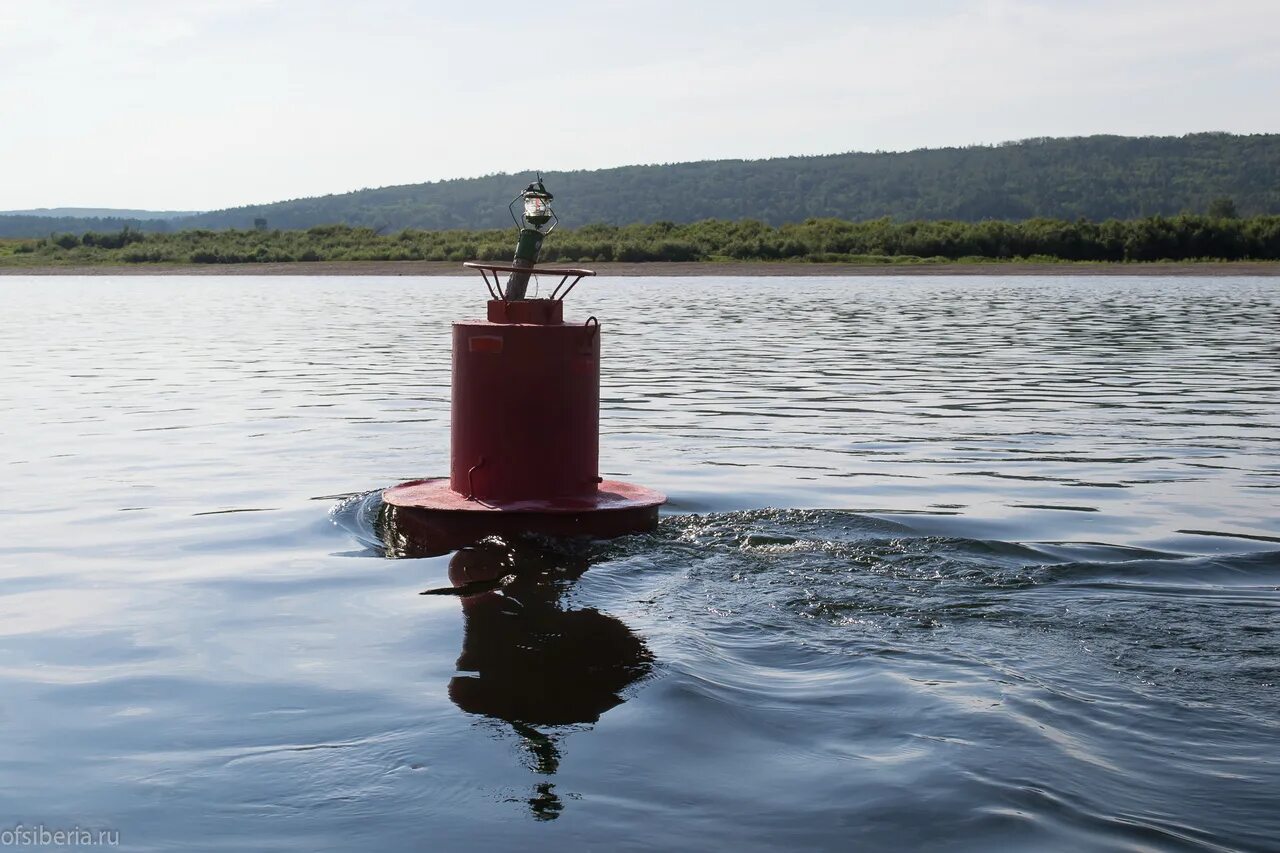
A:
x: 531, y: 662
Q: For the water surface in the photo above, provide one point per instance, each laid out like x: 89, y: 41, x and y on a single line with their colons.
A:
x: 949, y: 564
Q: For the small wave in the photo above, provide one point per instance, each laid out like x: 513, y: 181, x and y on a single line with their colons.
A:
x: 358, y: 514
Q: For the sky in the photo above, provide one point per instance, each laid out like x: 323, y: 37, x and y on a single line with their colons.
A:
x: 205, y: 104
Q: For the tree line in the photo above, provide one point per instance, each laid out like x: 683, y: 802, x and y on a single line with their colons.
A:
x: 1094, y: 177
x: 1153, y: 238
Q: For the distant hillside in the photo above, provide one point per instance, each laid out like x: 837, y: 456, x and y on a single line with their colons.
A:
x: 98, y: 213
x: 44, y: 221
x: 1095, y: 177
x: 43, y: 226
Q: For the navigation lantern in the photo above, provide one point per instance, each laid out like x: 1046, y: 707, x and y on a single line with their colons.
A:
x: 537, y: 221
x: 537, y: 206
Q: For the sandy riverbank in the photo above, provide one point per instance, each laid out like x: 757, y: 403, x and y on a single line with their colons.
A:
x: 736, y: 269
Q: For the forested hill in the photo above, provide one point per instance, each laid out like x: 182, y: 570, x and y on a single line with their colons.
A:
x: 62, y: 220
x: 1095, y: 177
x: 98, y: 213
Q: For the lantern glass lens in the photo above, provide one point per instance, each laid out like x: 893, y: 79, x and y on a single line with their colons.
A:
x: 536, y: 209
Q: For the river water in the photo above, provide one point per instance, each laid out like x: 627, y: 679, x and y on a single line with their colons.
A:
x: 949, y: 564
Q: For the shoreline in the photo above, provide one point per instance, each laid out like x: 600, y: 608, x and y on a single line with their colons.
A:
x: 675, y: 269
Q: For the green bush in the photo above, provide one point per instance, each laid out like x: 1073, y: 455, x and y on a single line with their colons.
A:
x: 1178, y: 238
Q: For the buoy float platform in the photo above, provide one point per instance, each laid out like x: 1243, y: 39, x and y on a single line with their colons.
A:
x: 525, y: 426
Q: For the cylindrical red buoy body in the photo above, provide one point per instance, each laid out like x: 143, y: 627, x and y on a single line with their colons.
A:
x: 526, y: 403
x: 525, y: 438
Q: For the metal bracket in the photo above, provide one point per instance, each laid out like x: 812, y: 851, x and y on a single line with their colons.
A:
x: 495, y: 289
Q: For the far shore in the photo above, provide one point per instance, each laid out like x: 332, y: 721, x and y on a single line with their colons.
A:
x: 736, y: 269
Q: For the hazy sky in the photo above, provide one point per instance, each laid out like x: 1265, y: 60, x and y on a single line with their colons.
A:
x: 200, y: 104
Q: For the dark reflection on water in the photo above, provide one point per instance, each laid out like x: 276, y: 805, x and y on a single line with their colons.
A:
x: 531, y: 661
x: 537, y: 665
x: 968, y: 564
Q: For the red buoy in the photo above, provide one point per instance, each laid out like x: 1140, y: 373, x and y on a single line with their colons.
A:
x: 525, y: 434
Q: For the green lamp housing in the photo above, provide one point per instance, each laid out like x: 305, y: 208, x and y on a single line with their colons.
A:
x: 537, y: 210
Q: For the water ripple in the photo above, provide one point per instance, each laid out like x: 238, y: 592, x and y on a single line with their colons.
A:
x: 964, y: 564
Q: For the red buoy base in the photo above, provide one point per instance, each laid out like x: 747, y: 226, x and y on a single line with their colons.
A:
x: 432, y: 514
